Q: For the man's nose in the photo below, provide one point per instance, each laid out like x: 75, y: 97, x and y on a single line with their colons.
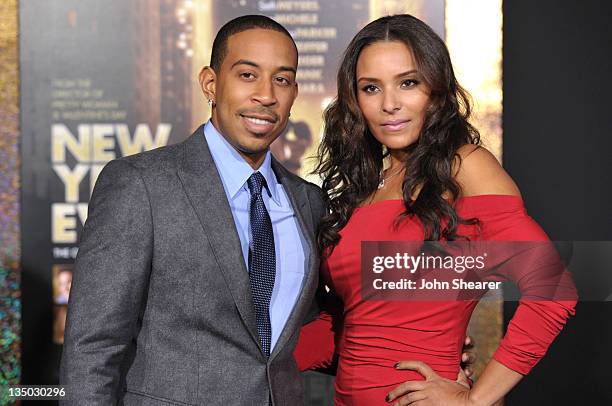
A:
x: 264, y: 93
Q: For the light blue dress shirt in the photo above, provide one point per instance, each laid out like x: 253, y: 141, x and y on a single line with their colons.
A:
x: 289, y: 243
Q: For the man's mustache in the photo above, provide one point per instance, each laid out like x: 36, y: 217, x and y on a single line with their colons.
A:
x: 260, y: 111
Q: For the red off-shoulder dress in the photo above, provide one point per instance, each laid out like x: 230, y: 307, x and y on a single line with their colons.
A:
x: 371, y: 336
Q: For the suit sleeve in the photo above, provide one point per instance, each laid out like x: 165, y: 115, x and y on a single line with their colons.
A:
x: 109, y: 286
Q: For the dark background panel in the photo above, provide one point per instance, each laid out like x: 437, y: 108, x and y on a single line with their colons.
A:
x: 558, y: 147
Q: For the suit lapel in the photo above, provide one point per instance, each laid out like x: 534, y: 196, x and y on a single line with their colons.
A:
x: 298, y: 196
x: 203, y: 186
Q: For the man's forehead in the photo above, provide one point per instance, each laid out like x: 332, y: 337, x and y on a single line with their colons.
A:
x: 261, y: 46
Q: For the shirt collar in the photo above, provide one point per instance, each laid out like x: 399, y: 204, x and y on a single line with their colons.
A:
x: 232, y: 167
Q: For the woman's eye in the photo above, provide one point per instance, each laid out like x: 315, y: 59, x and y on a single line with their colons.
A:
x: 369, y: 89
x: 409, y: 83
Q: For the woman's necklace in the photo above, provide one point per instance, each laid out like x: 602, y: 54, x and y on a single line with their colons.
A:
x: 381, y: 183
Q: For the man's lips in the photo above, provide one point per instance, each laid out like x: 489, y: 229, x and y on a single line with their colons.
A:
x: 260, y: 114
x: 257, y: 119
x: 395, y: 125
x: 258, y: 124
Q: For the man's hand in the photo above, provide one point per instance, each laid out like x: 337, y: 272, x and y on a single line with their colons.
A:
x: 434, y: 391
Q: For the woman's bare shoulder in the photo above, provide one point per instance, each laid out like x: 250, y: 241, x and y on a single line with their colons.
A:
x: 478, y: 172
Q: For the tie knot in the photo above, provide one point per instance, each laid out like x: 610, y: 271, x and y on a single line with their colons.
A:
x: 256, y: 182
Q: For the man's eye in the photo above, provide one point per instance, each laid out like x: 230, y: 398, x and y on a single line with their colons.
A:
x: 247, y: 75
x: 283, y: 81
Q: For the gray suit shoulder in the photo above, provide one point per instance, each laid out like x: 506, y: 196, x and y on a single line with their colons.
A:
x: 314, y: 191
x: 316, y: 195
x: 160, y: 158
x: 152, y: 164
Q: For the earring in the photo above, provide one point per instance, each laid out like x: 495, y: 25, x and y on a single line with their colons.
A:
x: 211, y: 102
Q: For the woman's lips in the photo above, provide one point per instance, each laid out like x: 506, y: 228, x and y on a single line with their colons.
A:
x: 395, y: 125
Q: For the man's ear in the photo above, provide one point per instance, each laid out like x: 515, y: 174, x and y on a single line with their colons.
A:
x: 296, y: 91
x: 208, y: 81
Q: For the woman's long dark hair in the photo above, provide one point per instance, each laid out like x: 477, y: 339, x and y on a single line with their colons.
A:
x: 351, y: 159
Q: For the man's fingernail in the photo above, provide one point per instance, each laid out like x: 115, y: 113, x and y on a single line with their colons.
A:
x: 388, y: 398
x: 396, y: 366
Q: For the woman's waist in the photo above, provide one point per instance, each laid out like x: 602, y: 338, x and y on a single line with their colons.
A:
x: 379, y: 372
x: 442, y: 342
x: 382, y: 347
x: 382, y: 360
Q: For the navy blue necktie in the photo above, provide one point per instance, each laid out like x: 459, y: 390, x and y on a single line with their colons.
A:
x: 262, y: 260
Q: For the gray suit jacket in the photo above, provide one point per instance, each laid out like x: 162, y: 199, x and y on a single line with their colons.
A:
x: 160, y: 311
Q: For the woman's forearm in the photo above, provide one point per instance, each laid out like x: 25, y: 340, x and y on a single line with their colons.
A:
x: 493, y: 384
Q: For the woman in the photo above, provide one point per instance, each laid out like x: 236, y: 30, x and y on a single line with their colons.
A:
x: 398, y: 100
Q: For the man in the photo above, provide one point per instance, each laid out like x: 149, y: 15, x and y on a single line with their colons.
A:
x: 198, y: 261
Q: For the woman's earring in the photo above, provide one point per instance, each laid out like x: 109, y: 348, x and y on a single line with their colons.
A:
x: 211, y: 102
